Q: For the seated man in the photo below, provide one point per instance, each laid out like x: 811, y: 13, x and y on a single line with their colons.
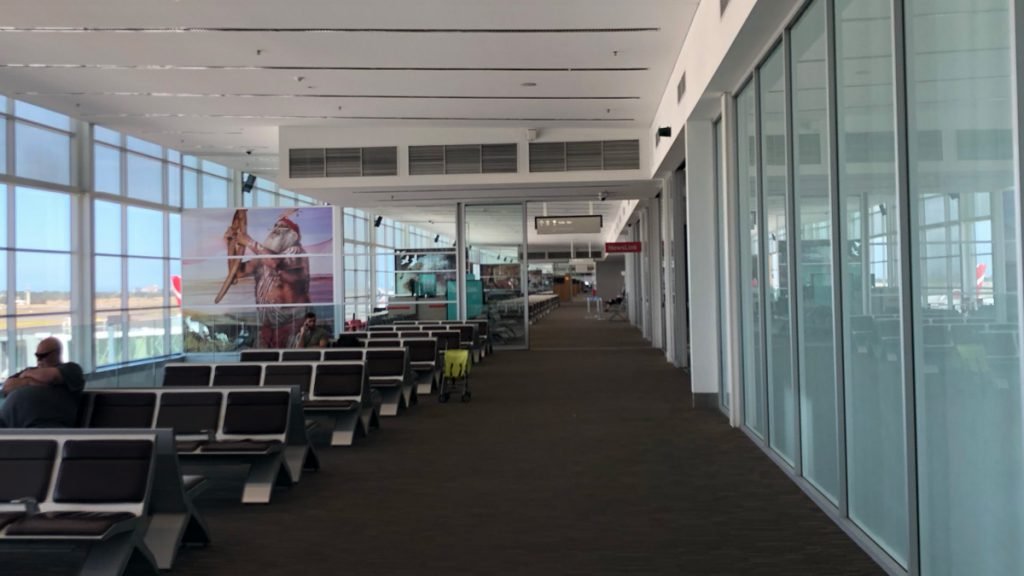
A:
x: 45, y: 396
x: 311, y: 335
x: 615, y: 301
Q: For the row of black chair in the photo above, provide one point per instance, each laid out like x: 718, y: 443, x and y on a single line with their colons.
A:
x: 336, y: 391
x: 261, y: 428
x: 388, y: 371
x: 118, y: 493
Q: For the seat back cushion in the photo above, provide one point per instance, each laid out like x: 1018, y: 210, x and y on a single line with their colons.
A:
x: 344, y: 354
x: 384, y: 343
x: 385, y: 362
x: 338, y: 380
x: 122, y: 410
x: 288, y: 375
x: 104, y: 471
x: 301, y: 355
x: 25, y: 468
x: 422, y: 349
x: 264, y: 412
x: 187, y: 375
x: 189, y: 412
x: 259, y: 356
x: 237, y: 375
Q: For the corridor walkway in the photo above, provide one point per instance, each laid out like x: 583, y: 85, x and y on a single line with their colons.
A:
x: 587, y: 461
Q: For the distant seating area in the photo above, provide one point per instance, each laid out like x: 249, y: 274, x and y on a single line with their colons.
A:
x: 123, y: 483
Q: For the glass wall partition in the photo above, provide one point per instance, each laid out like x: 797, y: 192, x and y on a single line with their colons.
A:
x: 750, y: 262
x: 495, y: 273
x: 870, y: 273
x: 965, y: 286
x: 882, y: 337
x: 400, y: 264
x: 819, y: 435
x: 778, y: 332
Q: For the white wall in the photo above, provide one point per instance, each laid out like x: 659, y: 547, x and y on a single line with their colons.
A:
x: 718, y: 49
x: 703, y: 258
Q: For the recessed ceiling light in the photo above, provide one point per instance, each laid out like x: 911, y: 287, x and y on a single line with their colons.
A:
x: 528, y: 84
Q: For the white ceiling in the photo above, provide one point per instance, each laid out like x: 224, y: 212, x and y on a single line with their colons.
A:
x: 142, y: 67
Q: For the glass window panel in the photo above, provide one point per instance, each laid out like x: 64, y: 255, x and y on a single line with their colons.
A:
x: 965, y: 289
x: 101, y: 134
x: 190, y: 189
x: 145, y: 232
x: 106, y: 227
x: 145, y: 282
x: 107, y: 169
x: 174, y: 242
x: 4, y: 304
x: 875, y: 428
x: 41, y: 115
x: 107, y: 282
x: 3, y: 144
x: 42, y: 154
x: 3, y: 216
x: 42, y: 219
x: 214, y: 168
x: 750, y: 261
x: 108, y: 334
x: 818, y: 423
x: 33, y: 329
x: 778, y: 337
x: 42, y: 282
x: 173, y: 156
x: 215, y: 192
x: 173, y: 185
x: 190, y: 161
x: 145, y: 178
x: 146, y: 334
x: 144, y: 147
x: 264, y: 198
x: 177, y: 331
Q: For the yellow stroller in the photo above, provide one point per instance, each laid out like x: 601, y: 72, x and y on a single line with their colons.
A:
x: 456, y: 375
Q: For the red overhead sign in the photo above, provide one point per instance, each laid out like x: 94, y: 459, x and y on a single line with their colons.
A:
x: 621, y: 247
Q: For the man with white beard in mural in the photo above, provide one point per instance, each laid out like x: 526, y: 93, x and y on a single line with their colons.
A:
x: 282, y: 278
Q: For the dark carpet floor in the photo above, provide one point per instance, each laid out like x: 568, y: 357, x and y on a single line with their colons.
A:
x: 580, y: 457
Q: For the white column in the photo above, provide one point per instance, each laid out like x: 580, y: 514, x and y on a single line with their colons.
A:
x: 703, y: 281
x: 675, y: 240
x: 669, y: 206
x: 656, y: 285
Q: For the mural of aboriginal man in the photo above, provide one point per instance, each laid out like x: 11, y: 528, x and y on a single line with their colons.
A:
x: 280, y: 270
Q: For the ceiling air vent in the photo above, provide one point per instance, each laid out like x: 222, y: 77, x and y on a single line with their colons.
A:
x: 499, y: 158
x: 306, y: 163
x: 537, y: 255
x: 463, y: 159
x: 577, y: 156
x: 681, y: 88
x: 547, y: 157
x: 559, y: 255
x: 583, y: 156
x: 426, y: 160
x: 342, y: 162
x: 622, y: 155
x: 380, y: 161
